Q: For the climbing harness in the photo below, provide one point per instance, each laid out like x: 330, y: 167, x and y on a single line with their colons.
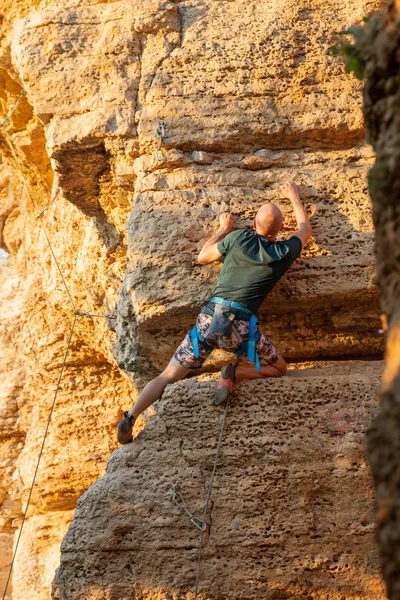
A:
x: 160, y: 134
x: 178, y: 499
x: 76, y: 314
x: 10, y: 114
x: 222, y: 323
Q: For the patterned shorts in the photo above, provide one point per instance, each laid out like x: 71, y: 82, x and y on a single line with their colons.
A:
x: 267, y: 352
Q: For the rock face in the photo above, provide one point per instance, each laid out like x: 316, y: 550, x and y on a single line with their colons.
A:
x: 290, y: 512
x: 251, y: 97
x: 244, y: 111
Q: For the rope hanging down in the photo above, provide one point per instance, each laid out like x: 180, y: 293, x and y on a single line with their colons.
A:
x: 10, y: 114
x: 221, y: 433
x: 76, y: 314
x: 40, y: 453
x: 15, y: 156
x: 19, y: 167
x: 53, y: 197
x: 179, y: 501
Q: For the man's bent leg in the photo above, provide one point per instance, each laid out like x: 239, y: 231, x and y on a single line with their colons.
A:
x: 277, y: 369
x: 150, y: 393
x: 272, y: 363
x: 180, y: 364
x: 228, y: 375
x: 153, y: 390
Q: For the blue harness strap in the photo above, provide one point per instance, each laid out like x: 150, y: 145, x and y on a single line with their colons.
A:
x: 254, y: 336
x: 196, y: 338
x: 248, y: 346
x: 230, y: 304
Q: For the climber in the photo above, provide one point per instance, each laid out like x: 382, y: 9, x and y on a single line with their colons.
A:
x: 253, y: 263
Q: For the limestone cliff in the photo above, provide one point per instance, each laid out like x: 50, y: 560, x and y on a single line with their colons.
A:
x: 251, y: 97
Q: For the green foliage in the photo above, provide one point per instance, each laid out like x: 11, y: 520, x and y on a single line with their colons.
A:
x: 354, y: 55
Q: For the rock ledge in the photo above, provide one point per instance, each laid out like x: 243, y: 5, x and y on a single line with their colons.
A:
x: 291, y: 510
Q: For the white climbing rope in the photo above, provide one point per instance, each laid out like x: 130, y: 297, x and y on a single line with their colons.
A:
x: 52, y: 199
x: 40, y: 455
x: 178, y: 499
x: 76, y: 314
x: 8, y: 117
x: 221, y: 433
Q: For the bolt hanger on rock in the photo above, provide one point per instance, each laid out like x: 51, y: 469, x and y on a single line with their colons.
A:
x: 160, y: 134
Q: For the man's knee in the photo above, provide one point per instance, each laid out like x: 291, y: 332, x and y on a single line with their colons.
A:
x: 168, y: 376
x: 173, y: 372
x: 281, y: 367
x: 277, y: 369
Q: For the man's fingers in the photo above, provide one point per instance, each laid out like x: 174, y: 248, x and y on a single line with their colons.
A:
x: 290, y: 188
x: 226, y: 221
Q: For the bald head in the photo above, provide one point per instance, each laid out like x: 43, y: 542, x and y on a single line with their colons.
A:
x: 269, y: 220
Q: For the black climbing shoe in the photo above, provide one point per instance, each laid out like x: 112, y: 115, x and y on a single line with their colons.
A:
x: 124, y: 430
x: 225, y: 385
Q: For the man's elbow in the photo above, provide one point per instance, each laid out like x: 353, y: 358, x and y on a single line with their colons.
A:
x: 201, y: 259
x: 304, y: 233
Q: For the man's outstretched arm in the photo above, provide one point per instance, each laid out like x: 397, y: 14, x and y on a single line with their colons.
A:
x: 303, y: 222
x: 209, y: 252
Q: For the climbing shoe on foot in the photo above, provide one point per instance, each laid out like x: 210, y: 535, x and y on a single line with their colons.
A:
x: 124, y: 430
x: 225, y: 385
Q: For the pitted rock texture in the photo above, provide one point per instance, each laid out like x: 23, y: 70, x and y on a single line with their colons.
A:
x: 290, y: 514
x: 325, y: 306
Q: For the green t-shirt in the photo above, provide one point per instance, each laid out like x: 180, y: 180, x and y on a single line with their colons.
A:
x: 252, y: 266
